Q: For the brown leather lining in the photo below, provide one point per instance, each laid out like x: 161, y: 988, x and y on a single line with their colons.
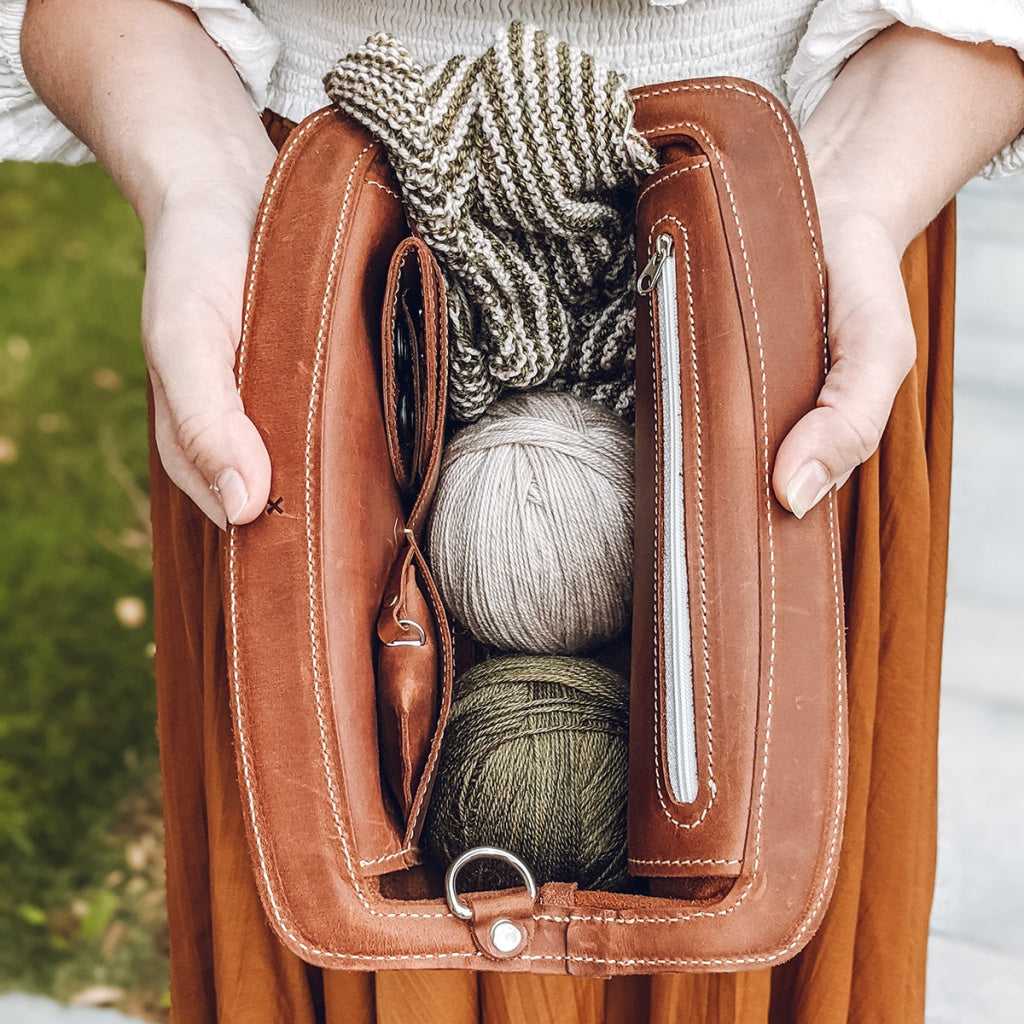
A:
x: 278, y: 127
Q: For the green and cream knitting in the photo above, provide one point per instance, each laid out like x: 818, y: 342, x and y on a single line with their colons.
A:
x: 519, y: 169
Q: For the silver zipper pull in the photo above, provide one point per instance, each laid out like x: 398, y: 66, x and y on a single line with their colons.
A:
x: 648, y: 277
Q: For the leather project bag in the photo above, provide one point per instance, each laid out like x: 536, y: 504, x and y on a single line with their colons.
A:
x: 737, y: 705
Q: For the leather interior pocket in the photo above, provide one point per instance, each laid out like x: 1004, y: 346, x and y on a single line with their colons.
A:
x: 408, y: 690
x: 414, y: 684
x: 695, y: 669
x: 414, y: 661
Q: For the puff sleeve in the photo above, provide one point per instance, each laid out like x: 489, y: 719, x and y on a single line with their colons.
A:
x: 28, y: 131
x: 838, y: 28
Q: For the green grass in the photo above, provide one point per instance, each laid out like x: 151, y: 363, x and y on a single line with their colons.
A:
x: 77, y: 740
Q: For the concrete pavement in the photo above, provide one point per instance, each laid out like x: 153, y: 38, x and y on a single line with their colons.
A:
x: 976, y: 955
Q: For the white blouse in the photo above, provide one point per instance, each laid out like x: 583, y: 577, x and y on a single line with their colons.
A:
x: 282, y: 48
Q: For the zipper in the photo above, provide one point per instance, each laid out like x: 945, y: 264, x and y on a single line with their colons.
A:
x: 659, y: 277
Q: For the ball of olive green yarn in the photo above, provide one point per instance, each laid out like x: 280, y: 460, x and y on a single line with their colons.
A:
x: 531, y: 533
x: 534, y: 762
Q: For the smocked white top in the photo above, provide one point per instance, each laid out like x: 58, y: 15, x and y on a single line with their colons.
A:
x: 282, y: 48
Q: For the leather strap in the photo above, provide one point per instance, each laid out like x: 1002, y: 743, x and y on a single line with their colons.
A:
x: 278, y: 128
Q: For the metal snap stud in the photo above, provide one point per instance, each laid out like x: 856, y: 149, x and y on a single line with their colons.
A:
x: 506, y: 937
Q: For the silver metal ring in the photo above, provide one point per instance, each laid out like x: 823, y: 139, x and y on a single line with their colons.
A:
x: 420, y: 641
x: 460, y: 909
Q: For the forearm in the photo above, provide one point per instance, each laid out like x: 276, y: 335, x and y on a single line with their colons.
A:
x: 151, y: 94
x: 141, y: 83
x: 910, y: 119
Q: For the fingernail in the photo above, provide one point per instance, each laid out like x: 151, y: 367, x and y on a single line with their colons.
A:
x: 809, y: 484
x: 231, y: 489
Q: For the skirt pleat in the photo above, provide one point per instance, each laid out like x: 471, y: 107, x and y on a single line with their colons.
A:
x: 867, y: 961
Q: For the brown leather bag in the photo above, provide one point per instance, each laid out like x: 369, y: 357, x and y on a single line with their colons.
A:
x: 341, y: 658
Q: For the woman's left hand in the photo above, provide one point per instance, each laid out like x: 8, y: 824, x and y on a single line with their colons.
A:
x: 910, y: 118
x: 872, y: 347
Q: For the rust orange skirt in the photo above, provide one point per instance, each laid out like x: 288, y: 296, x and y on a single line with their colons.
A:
x: 867, y: 962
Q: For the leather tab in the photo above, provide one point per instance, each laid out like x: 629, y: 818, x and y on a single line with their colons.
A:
x: 400, y: 593
x: 497, y: 916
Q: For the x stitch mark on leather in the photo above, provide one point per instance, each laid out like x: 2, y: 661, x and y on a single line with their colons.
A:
x: 275, y: 506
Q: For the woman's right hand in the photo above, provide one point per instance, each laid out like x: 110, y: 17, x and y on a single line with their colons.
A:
x: 163, y: 109
x: 192, y: 308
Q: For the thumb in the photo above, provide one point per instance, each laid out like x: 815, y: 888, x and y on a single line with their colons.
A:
x: 210, y: 448
x: 191, y: 325
x: 874, y: 348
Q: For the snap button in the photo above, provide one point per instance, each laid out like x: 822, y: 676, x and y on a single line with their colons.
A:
x: 503, y: 923
x: 506, y: 936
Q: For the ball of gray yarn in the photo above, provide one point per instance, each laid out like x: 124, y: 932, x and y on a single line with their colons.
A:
x: 531, y: 535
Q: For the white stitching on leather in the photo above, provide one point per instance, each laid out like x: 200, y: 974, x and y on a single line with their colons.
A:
x: 383, y: 860
x: 311, y: 560
x: 312, y: 564
x: 836, y: 821
x: 655, y: 340
x: 671, y: 174
x: 235, y: 667
x: 390, y: 191
x: 272, y: 189
x: 837, y: 594
x: 661, y: 860
x: 709, y: 145
x: 679, y: 961
x: 765, y: 100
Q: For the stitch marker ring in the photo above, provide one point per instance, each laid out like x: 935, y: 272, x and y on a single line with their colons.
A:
x: 459, y: 909
x: 421, y: 638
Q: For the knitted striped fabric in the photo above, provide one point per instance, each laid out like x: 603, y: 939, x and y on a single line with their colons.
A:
x: 519, y: 169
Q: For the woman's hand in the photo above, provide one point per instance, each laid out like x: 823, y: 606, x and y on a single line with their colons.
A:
x: 161, y: 106
x: 910, y: 118
x: 196, y: 255
x: 872, y: 347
